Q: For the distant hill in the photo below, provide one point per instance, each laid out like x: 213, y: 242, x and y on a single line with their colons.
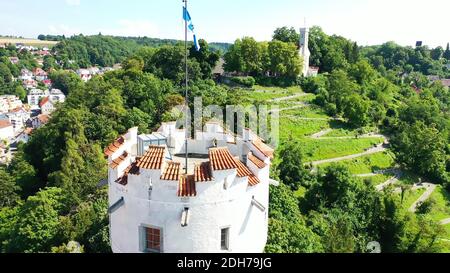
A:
x: 142, y: 41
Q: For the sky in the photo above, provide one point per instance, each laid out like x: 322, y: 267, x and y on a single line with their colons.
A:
x: 367, y: 22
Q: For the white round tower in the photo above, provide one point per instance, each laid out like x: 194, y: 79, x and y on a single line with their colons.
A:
x: 221, y: 205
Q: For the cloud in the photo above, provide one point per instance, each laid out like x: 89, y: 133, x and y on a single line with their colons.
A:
x: 73, y: 2
x: 134, y: 28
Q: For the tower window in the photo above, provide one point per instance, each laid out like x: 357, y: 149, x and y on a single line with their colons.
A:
x: 224, y: 238
x: 153, y: 239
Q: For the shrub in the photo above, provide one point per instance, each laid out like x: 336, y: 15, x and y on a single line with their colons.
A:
x: 244, y: 81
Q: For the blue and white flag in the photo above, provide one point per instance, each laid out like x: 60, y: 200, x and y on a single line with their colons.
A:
x: 188, y: 19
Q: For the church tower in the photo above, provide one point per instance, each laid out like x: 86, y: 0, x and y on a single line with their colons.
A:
x: 304, y: 49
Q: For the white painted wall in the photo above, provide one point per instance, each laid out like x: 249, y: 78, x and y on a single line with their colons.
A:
x: 215, y: 207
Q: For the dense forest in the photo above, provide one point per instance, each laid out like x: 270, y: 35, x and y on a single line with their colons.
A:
x: 84, y: 51
x: 49, y: 194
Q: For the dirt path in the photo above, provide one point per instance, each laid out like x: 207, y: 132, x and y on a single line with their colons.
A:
x: 300, y: 105
x: 321, y: 133
x: 288, y: 98
x: 424, y: 197
x: 391, y: 181
x: 445, y: 221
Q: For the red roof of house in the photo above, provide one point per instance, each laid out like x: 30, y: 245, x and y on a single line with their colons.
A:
x: 44, y: 101
x: 172, y: 172
x: 263, y: 148
x: 43, y: 118
x: 5, y: 123
x: 243, y: 171
x: 255, y: 160
x: 186, y: 186
x: 112, y: 148
x: 116, y: 162
x: 132, y: 169
x: 221, y: 159
x: 202, y: 172
x: 153, y: 158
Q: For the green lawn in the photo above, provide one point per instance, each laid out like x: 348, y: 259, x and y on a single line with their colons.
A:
x: 318, y: 149
x: 411, y: 197
x: 300, y: 128
x: 441, y: 210
x: 369, y: 163
x: 262, y: 93
x: 311, y: 111
x: 375, y: 180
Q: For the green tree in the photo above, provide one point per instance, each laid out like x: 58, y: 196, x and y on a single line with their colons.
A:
x: 287, y: 35
x: 206, y: 58
x: 356, y: 111
x: 65, y: 80
x: 446, y: 54
x: 284, y: 59
x: 291, y: 168
x: 37, y: 223
x: 8, y: 189
x: 421, y: 148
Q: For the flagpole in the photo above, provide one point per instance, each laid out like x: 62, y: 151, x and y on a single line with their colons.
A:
x: 186, y: 86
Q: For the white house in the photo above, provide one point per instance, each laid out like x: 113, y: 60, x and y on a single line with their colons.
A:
x: 6, y: 130
x: 47, y: 106
x: 26, y: 74
x: 39, y: 121
x: 84, y: 74
x: 18, y: 118
x: 24, y: 136
x: 219, y: 206
x: 57, y: 95
x: 36, y: 95
x: 9, y: 103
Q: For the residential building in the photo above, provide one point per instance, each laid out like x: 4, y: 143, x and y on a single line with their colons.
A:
x: 6, y: 130
x: 47, y: 106
x: 18, y: 118
x: 39, y: 121
x: 26, y: 74
x: 24, y: 136
x: 9, y: 103
x: 35, y: 96
x: 40, y: 74
x: 220, y: 206
x: 29, y: 84
x: 14, y: 60
x: 84, y: 74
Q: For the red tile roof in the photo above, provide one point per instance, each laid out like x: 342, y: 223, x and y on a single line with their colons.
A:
x: 255, y: 160
x: 172, y: 172
x: 116, y: 162
x: 44, y: 101
x: 202, y: 172
x: 221, y: 159
x: 153, y: 158
x: 186, y: 186
x: 111, y: 149
x: 43, y: 118
x: 243, y: 171
x: 132, y: 169
x: 4, y: 123
x: 263, y: 148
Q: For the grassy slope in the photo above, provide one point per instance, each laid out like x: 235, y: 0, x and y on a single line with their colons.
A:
x: 369, y: 163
